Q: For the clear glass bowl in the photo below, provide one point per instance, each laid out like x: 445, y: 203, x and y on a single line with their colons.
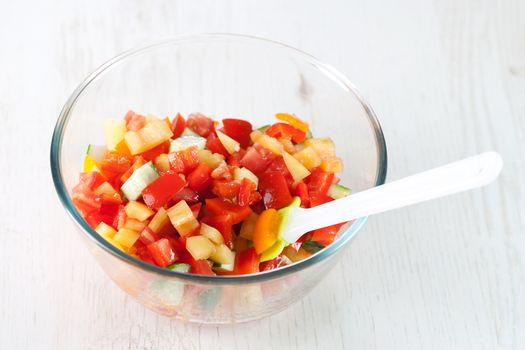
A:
x: 222, y: 76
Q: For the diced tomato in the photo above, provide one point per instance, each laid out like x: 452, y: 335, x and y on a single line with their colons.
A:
x: 85, y: 201
x: 255, y: 197
x: 270, y: 264
x: 177, y: 125
x: 115, y: 164
x: 218, y: 206
x: 215, y: 145
x: 254, y: 161
x: 318, y: 199
x: 159, y: 192
x: 120, y: 219
x: 201, y: 267
x: 186, y: 194
x: 223, y: 171
x: 179, y: 247
x: 319, y: 181
x: 247, y: 262
x: 223, y: 223
x: 245, y: 192
x: 156, y: 151
x: 134, y: 121
x: 226, y: 189
x: 201, y: 124
x: 279, y: 130
x: 91, y: 180
x: 184, y: 161
x: 235, y: 158
x: 147, y: 236
x: 162, y: 253
x: 200, y: 178
x: 301, y: 190
x: 278, y: 165
x: 326, y: 235
x: 139, y: 161
x: 238, y: 130
x: 274, y: 190
x: 196, y: 209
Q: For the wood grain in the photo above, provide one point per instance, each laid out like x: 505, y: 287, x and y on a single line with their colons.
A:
x: 447, y: 79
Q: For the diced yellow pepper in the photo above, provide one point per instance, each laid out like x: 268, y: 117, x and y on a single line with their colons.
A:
x: 160, y: 220
x: 114, y: 131
x: 162, y: 163
x: 270, y: 143
x: 213, y: 160
x: 293, y: 121
x: 332, y: 164
x: 200, y: 247
x: 105, y: 230
x: 308, y: 157
x: 182, y: 218
x: 134, y: 224
x: 126, y: 237
x: 151, y: 135
x: 296, y: 169
x: 137, y: 210
x: 211, y: 233
x: 323, y: 146
x: 229, y: 144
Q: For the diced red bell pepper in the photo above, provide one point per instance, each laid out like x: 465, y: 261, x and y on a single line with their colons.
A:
x: 184, y: 161
x: 201, y: 267
x: 245, y: 192
x: 223, y: 223
x: 156, y: 151
x: 109, y: 208
x: 255, y: 197
x: 139, y: 161
x: 200, y: 178
x: 226, y: 189
x: 134, y: 121
x: 247, y: 262
x: 270, y: 264
x: 218, y: 206
x: 318, y: 199
x: 279, y: 165
x: 186, y: 194
x: 326, y: 235
x: 161, y: 190
x: 201, y: 124
x: 235, y: 158
x: 274, y: 190
x: 319, y: 181
x: 301, y: 190
x: 196, y: 209
x: 279, y: 130
x: 147, y: 236
x: 239, y: 130
x: 215, y: 145
x: 177, y: 125
x: 162, y: 253
x: 254, y: 161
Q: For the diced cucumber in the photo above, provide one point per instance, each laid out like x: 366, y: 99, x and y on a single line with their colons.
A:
x: 189, y: 132
x: 309, y: 135
x: 183, y: 142
x: 139, y: 180
x: 179, y: 267
x: 337, y: 191
x: 263, y: 128
x: 96, y: 152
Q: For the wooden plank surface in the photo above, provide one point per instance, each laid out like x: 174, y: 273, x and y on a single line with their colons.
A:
x: 447, y: 79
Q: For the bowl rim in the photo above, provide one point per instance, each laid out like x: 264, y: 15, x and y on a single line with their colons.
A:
x: 332, y: 73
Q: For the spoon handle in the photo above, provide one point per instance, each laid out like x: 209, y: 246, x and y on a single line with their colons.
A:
x: 455, y: 177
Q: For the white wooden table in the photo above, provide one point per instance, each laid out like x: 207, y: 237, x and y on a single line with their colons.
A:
x: 447, y: 79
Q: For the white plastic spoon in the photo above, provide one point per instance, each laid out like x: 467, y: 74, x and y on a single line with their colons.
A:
x: 452, y: 178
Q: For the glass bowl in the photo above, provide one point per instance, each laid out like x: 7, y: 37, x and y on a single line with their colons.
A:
x: 221, y: 75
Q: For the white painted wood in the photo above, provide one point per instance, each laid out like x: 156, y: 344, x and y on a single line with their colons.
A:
x: 447, y: 79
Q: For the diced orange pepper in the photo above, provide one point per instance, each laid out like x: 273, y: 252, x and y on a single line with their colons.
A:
x: 293, y: 121
x: 266, y: 230
x: 123, y: 149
